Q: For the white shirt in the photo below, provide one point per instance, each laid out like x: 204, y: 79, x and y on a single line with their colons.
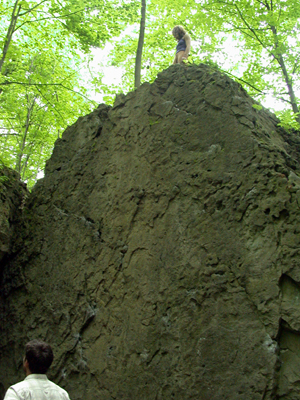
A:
x: 36, y: 387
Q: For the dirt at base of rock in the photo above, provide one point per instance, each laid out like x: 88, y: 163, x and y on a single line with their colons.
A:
x: 159, y: 255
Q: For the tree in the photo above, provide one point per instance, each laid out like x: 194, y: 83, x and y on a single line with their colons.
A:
x: 35, y: 108
x: 266, y: 33
x: 139, y: 51
x: 92, y: 23
x: 42, y: 43
x: 269, y: 34
x: 40, y: 89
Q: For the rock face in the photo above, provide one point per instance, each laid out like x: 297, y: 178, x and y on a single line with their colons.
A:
x: 13, y: 194
x: 159, y: 255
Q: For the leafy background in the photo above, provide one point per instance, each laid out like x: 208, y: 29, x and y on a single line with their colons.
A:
x: 48, y: 78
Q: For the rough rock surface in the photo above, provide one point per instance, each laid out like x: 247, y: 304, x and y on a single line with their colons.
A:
x: 13, y: 193
x: 160, y: 253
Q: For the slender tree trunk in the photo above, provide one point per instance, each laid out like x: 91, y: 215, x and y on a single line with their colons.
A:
x: 138, y: 58
x: 289, y: 87
x: 24, y: 167
x: 10, y: 32
x: 38, y: 164
x: 23, y: 140
x: 278, y: 56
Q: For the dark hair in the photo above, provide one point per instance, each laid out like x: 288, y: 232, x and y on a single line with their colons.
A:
x: 39, y: 356
x: 178, y: 32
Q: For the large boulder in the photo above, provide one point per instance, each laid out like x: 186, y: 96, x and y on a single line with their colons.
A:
x: 159, y: 255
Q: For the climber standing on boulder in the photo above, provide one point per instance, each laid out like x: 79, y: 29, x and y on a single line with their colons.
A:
x: 183, y: 46
x: 36, y: 386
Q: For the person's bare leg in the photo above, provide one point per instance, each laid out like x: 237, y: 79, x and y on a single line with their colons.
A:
x: 180, y: 56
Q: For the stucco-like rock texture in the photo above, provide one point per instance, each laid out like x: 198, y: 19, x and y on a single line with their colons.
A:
x: 13, y: 194
x: 159, y: 255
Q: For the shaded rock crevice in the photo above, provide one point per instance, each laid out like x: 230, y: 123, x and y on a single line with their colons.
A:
x: 289, y: 339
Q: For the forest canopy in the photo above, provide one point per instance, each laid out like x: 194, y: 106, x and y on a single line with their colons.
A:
x: 45, y: 45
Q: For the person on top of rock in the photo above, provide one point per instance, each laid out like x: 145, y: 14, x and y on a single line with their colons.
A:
x: 183, y: 46
x: 36, y: 386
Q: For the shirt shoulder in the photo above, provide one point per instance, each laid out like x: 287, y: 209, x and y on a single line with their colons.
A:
x: 36, y: 390
x: 59, y: 389
x: 18, y: 386
x: 11, y: 394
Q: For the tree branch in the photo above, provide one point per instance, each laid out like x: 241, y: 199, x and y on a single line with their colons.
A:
x: 264, y: 4
x: 10, y: 32
x: 240, y: 79
x: 50, y: 15
x: 48, y: 103
x: 30, y: 9
x: 285, y: 100
x: 251, y: 29
x: 56, y: 17
x: 296, y: 65
x: 48, y: 84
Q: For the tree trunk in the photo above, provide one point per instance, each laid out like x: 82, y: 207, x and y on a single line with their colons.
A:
x: 23, y: 140
x: 10, y: 32
x: 38, y: 165
x: 278, y: 56
x: 138, y: 58
x: 289, y: 87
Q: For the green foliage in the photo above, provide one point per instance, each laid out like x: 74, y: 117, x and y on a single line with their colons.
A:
x: 288, y: 120
x: 95, y: 22
x: 44, y: 43
x: 33, y: 114
x: 37, y: 102
x: 264, y: 34
x: 41, y: 61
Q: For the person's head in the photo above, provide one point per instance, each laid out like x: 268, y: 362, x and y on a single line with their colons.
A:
x: 178, y: 32
x: 38, y: 357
